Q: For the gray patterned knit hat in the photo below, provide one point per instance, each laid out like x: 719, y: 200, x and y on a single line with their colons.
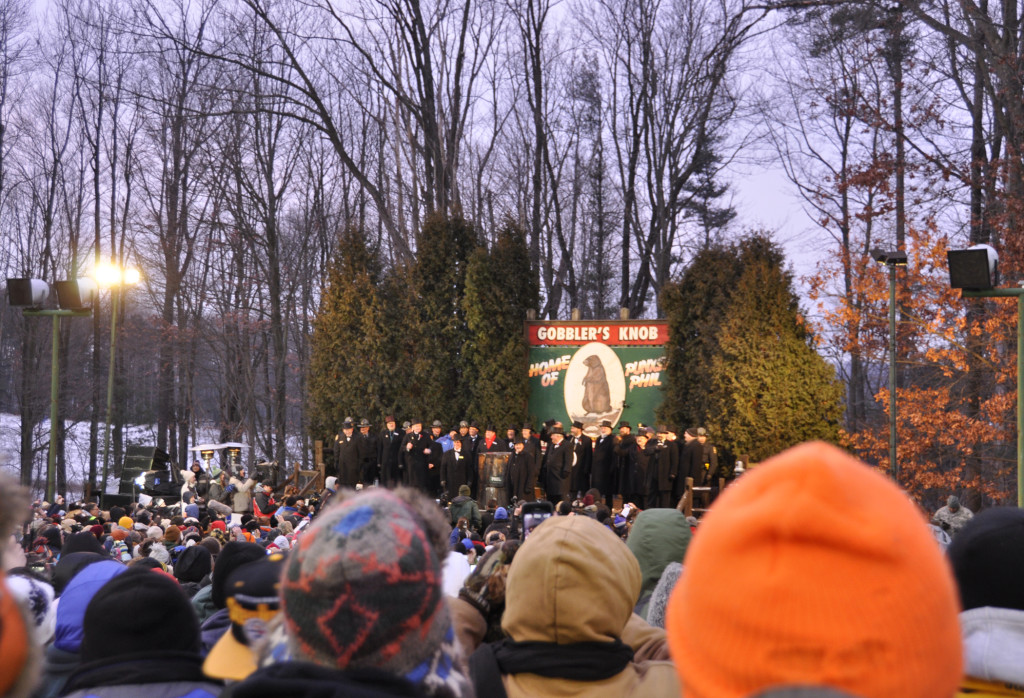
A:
x: 362, y: 588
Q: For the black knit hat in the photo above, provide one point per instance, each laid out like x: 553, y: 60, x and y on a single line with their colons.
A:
x: 136, y: 610
x: 194, y: 563
x: 82, y: 542
x: 987, y: 556
x: 232, y: 556
x: 71, y: 564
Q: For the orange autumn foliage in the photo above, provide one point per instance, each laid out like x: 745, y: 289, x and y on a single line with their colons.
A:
x: 956, y: 394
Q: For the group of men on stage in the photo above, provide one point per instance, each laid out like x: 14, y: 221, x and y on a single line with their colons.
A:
x: 648, y: 468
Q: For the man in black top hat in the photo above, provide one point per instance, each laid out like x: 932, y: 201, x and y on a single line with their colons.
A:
x: 347, y: 454
x: 532, y: 448
x: 416, y: 457
x: 583, y: 453
x: 603, y: 462
x: 557, y: 466
x: 456, y: 469
x: 368, y: 463
x: 389, y: 452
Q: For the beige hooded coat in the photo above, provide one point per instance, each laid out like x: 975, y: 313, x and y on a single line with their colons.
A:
x: 575, y: 581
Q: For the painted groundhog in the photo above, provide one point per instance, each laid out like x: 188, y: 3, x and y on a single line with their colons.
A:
x: 597, y: 397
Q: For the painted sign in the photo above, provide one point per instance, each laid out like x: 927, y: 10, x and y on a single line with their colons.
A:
x: 596, y: 371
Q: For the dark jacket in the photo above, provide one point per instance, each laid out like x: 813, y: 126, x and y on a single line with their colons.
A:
x: 348, y: 459
x: 463, y: 506
x: 212, y: 629
x: 668, y: 466
x: 301, y: 679
x: 557, y: 469
x: 368, y: 462
x: 583, y: 454
x: 389, y: 455
x: 153, y: 674
x: 517, y: 473
x: 58, y: 666
x: 455, y: 472
x: 416, y: 461
x: 691, y: 462
x: 602, y: 466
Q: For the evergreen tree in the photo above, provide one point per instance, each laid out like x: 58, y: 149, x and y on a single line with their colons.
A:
x: 770, y: 389
x: 500, y: 288
x: 740, y: 359
x: 438, y: 388
x: 349, y: 349
x: 695, y: 308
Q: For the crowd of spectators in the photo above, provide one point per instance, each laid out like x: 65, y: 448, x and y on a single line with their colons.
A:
x: 811, y: 575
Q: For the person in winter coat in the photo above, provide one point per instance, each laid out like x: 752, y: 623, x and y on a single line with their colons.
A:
x: 232, y: 556
x: 569, y: 621
x: 663, y: 477
x: 602, y: 464
x: 64, y: 655
x: 349, y: 625
x: 140, y: 638
x: 517, y: 472
x: 217, y: 497
x: 202, y: 479
x: 986, y: 556
x: 189, y: 495
x: 455, y: 469
x: 557, y: 466
x: 815, y: 571
x: 241, y: 498
x: 464, y: 506
x: 658, y: 537
x: 194, y: 564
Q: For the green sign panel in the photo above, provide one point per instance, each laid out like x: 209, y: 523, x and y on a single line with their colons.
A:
x: 592, y: 381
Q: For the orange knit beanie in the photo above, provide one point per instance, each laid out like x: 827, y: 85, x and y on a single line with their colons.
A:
x: 814, y: 570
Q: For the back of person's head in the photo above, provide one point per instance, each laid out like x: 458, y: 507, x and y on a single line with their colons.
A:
x: 194, y: 563
x: 563, y: 566
x: 953, y: 503
x: 815, y: 570
x: 232, y: 556
x: 658, y: 537
x: 987, y: 555
x: 75, y: 599
x: 363, y: 589
x: 139, y: 612
x: 69, y: 565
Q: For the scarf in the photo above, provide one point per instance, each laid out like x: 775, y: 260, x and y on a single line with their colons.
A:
x: 580, y: 661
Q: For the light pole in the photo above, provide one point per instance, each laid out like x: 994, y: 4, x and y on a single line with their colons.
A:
x: 892, y: 259
x: 113, y: 277
x: 74, y: 298
x: 974, y: 272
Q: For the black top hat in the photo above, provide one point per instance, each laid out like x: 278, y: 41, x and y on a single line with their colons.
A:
x: 578, y: 424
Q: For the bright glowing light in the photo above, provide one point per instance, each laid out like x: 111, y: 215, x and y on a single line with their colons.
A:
x: 107, y: 274
x: 141, y: 480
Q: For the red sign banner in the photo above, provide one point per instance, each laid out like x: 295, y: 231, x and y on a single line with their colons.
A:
x: 624, y: 333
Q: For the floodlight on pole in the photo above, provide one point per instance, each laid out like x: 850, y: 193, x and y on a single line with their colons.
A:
x: 975, y: 271
x: 30, y: 295
x: 27, y: 293
x: 114, y: 277
x: 891, y: 259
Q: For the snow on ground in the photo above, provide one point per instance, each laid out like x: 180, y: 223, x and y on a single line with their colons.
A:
x: 77, y: 449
